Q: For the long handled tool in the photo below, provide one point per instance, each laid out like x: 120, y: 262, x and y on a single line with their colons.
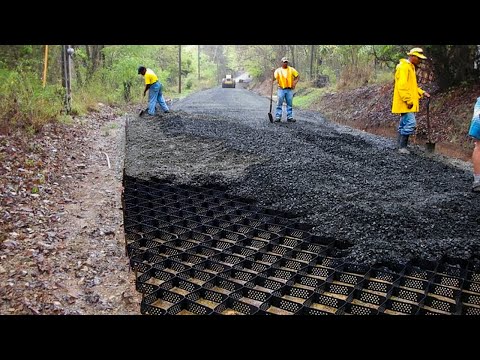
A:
x: 142, y: 112
x: 270, y: 116
x: 430, y: 146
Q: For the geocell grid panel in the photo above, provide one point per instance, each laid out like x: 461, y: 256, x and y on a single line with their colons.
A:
x: 200, y: 251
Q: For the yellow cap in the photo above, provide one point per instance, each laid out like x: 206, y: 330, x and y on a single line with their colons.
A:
x: 418, y: 52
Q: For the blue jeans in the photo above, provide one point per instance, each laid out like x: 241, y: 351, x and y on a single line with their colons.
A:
x: 155, y: 95
x: 407, y: 124
x: 284, y: 94
x: 475, y: 125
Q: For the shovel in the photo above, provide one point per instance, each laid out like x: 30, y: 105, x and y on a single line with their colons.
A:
x: 142, y: 112
x: 270, y: 116
x: 430, y: 146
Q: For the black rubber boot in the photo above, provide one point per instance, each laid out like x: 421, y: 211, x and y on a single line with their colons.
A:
x: 402, y: 144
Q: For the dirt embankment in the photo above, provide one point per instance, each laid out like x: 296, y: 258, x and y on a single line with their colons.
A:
x: 369, y: 108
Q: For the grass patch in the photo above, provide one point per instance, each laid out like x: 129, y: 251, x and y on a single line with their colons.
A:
x: 306, y: 97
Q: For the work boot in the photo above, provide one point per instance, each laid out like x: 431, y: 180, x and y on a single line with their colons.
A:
x: 277, y: 120
x: 291, y: 120
x: 476, y: 186
x: 402, y: 144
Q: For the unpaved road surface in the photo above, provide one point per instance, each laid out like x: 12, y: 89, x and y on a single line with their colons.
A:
x: 346, y: 183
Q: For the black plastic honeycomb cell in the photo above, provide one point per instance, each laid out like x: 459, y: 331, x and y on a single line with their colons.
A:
x: 188, y: 224
x: 196, y: 276
x: 235, y: 307
x: 305, y: 280
x: 252, y: 223
x: 471, y: 286
x: 278, y: 274
x: 261, y: 235
x: 289, y: 264
x: 139, y: 228
x: 279, y: 306
x: 240, y: 251
x: 233, y: 218
x: 470, y: 310
x: 212, y: 267
x: 413, y: 284
x: 171, y: 266
x: 240, y: 228
x: 394, y: 307
x: 187, y: 307
x: 252, y: 243
x: 180, y: 286
x: 195, y: 236
x: 227, y: 235
x: 151, y: 280
x: 160, y: 236
x: 325, y: 303
x: 140, y: 246
x: 274, y: 228
x: 138, y: 266
x: 182, y: 245
x: 473, y: 276
x: 219, y: 245
x: 159, y: 301
x: 227, y: 259
x: 373, y: 285
x: 383, y: 275
x: 406, y: 295
x: 287, y: 241
x: 251, y: 296
x: 435, y: 304
x: 317, y: 271
x: 296, y: 233
x: 188, y: 259
x: 222, y: 285
x: 200, y: 219
x: 251, y: 266
x: 148, y: 257
x: 203, y: 251
x: 418, y: 273
x: 470, y: 299
x: 316, y: 249
x: 312, y: 311
x: 208, y: 298
x: 275, y: 249
x: 355, y: 309
x: 219, y: 223
x: 347, y: 278
x: 238, y: 276
x: 264, y: 284
x: 367, y: 297
x: 265, y: 258
x: 300, y: 255
x: 329, y: 262
x: 336, y: 290
x: 209, y: 229
x: 444, y: 291
x: 294, y: 293
x: 445, y: 280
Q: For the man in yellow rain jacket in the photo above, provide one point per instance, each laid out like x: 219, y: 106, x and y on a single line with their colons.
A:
x: 406, y: 96
x: 287, y: 78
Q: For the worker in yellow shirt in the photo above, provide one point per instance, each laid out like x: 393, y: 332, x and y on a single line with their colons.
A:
x: 287, y: 78
x: 154, y: 87
x: 406, y: 96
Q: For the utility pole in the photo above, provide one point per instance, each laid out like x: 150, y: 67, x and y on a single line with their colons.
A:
x: 179, y: 69
x: 198, y: 60
x: 67, y: 52
x: 45, y: 66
